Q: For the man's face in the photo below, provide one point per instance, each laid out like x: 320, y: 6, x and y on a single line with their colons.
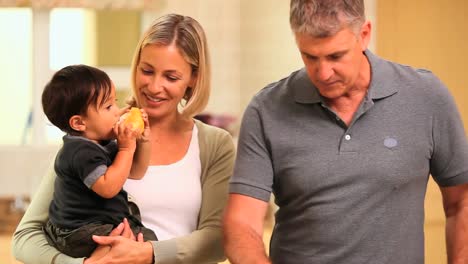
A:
x: 335, y: 64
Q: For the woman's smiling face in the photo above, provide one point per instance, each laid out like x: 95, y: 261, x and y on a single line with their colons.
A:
x: 161, y: 80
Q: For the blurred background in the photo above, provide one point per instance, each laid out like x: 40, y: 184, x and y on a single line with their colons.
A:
x: 251, y: 45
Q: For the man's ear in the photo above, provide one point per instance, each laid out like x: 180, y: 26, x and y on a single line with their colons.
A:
x: 365, y: 35
x: 77, y: 123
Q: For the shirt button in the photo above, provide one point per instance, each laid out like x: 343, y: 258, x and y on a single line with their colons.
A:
x: 347, y: 137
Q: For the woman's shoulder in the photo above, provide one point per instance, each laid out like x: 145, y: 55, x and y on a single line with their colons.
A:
x: 213, y: 139
x: 217, y: 151
x: 209, y: 132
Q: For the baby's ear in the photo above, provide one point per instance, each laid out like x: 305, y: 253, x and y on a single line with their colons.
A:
x: 77, y: 123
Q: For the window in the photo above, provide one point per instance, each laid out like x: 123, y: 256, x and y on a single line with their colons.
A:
x: 15, y: 67
x: 71, y: 37
x: 40, y: 42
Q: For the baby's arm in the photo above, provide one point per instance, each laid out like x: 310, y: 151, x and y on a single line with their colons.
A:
x: 111, y: 182
x: 142, y: 155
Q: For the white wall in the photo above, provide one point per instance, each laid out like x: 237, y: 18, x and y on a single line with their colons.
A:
x: 22, y: 168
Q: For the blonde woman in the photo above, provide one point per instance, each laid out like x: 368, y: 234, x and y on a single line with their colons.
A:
x: 184, y: 191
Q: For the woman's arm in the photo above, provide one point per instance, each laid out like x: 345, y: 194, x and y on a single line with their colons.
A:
x: 30, y: 245
x: 142, y: 155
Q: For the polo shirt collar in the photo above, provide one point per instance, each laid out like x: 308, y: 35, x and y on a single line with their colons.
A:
x: 305, y: 92
x: 382, y: 74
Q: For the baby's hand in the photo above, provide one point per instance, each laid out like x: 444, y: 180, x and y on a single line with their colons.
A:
x: 126, y: 136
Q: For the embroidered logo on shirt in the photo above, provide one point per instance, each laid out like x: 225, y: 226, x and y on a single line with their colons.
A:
x: 390, y: 142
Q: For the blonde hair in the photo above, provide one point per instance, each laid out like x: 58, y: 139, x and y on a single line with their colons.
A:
x: 189, y: 37
x: 325, y: 18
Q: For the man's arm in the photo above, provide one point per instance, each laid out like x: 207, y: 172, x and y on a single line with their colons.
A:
x: 243, y: 229
x: 455, y: 200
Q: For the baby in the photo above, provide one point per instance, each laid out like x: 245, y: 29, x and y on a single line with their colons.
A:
x: 98, y: 155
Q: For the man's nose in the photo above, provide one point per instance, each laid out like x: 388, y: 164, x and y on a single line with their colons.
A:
x: 324, y: 71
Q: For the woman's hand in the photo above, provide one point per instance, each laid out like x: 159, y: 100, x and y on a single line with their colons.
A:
x: 124, y: 250
x: 124, y: 247
x: 101, y: 251
x: 145, y: 136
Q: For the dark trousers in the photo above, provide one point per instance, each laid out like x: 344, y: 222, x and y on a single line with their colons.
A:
x: 78, y: 242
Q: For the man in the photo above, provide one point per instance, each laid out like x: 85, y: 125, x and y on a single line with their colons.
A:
x: 346, y: 145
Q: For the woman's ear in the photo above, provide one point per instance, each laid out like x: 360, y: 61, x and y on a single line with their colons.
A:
x: 188, y: 93
x: 189, y: 90
x: 193, y: 80
x: 77, y: 123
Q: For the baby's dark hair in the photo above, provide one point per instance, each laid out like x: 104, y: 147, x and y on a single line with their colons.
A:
x: 71, y: 91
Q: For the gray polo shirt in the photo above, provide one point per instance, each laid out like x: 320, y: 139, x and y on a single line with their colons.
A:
x: 351, y: 194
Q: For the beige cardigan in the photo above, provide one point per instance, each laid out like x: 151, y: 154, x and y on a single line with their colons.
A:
x: 204, y: 245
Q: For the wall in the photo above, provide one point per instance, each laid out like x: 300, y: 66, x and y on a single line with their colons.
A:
x: 220, y: 19
x: 22, y: 167
x: 251, y: 45
x: 117, y: 34
x: 268, y: 48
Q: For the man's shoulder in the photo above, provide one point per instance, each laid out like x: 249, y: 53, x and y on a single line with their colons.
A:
x: 413, y: 72
x: 282, y: 88
x: 402, y: 71
x: 418, y: 79
x: 416, y: 85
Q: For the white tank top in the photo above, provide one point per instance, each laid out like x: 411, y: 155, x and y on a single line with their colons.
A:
x: 169, y: 196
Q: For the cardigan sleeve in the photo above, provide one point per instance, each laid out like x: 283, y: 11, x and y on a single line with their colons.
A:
x: 29, y: 243
x: 204, y: 245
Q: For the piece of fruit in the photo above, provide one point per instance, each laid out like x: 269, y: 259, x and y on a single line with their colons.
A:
x: 134, y: 119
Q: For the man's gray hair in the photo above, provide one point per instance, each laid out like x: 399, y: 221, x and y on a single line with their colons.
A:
x: 324, y: 18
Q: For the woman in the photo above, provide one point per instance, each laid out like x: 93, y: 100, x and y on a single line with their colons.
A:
x: 190, y: 162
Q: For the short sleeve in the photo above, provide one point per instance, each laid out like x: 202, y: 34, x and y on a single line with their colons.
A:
x: 449, y: 161
x: 89, y: 163
x: 253, y: 171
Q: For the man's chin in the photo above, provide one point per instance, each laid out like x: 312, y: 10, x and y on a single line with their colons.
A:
x: 330, y: 93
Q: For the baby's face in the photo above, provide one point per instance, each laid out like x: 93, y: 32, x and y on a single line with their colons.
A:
x: 100, y: 119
